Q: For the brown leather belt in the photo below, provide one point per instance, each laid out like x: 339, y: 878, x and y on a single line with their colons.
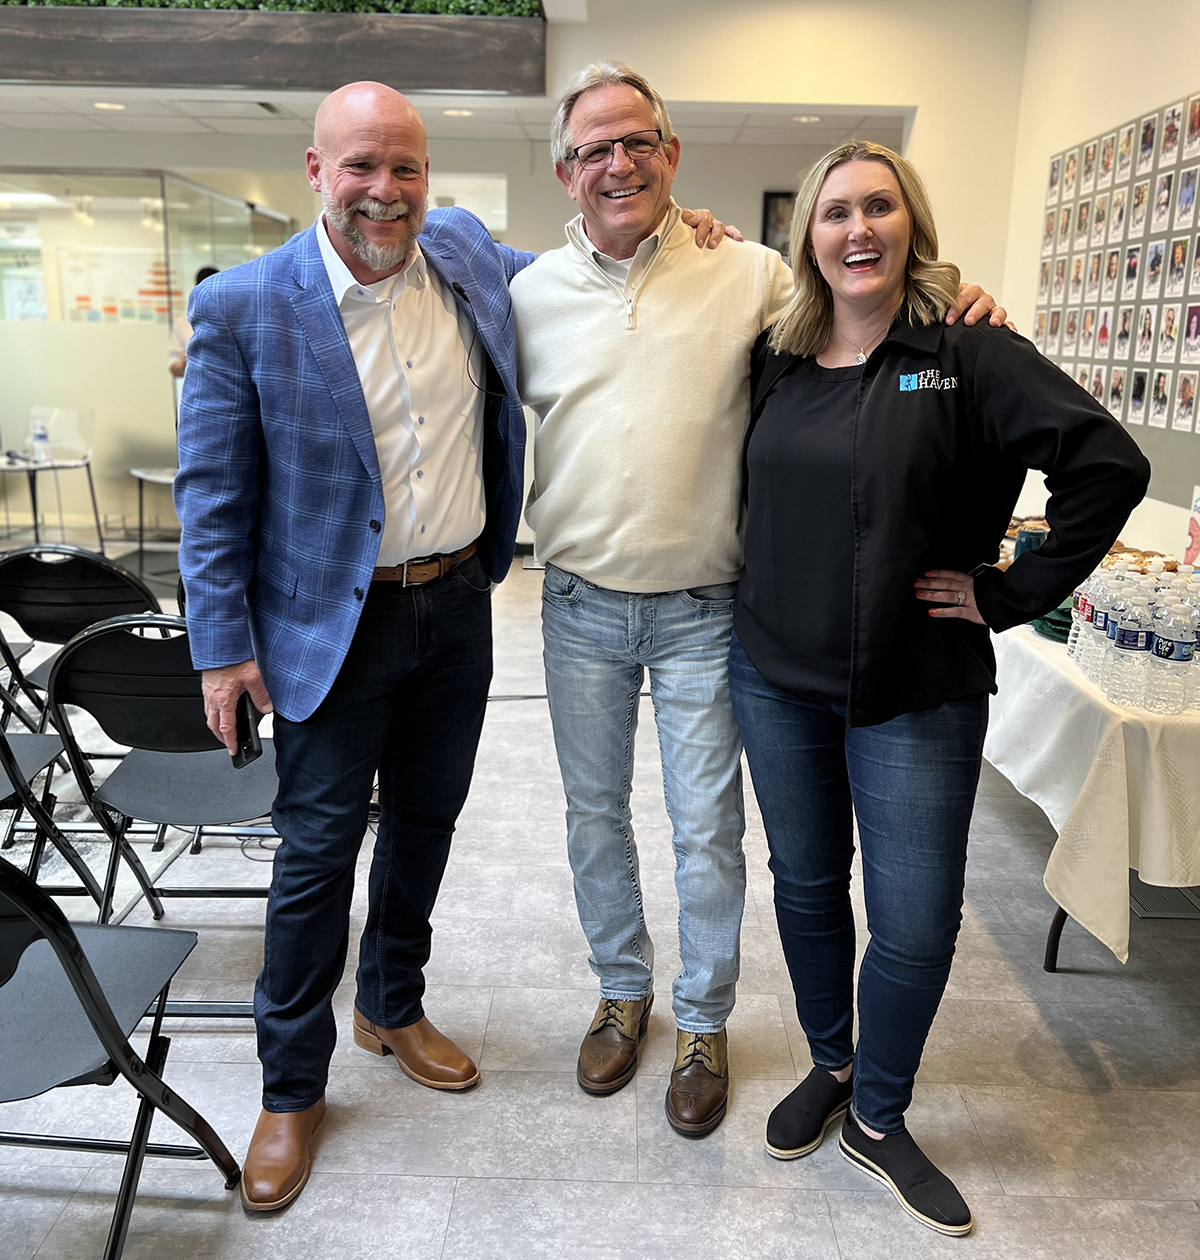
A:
x: 428, y: 569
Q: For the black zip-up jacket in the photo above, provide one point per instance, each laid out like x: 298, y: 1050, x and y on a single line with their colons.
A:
x: 947, y: 422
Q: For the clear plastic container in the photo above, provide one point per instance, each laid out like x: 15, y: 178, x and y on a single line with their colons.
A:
x: 1127, y: 677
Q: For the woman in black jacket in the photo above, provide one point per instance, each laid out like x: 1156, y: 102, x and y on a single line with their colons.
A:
x: 885, y: 455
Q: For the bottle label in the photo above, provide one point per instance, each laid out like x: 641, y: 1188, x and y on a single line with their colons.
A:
x: 1133, y: 640
x: 1099, y: 619
x: 1113, y: 622
x: 1173, y: 649
x: 1085, y: 608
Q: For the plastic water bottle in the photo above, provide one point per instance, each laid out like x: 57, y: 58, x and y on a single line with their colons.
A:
x: 40, y: 442
x: 1097, y: 640
x: 1081, y: 611
x: 1169, y: 669
x: 1127, y: 678
x: 1122, y: 597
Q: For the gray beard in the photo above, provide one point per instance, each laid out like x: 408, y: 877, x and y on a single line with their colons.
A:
x: 377, y: 257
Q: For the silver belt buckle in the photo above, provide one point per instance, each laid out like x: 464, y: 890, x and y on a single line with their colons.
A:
x: 404, y: 579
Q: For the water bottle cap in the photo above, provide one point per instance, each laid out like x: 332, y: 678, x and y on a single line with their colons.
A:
x: 1155, y: 566
x: 1140, y: 599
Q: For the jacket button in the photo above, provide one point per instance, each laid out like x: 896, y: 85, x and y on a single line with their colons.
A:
x: 375, y: 527
x: 358, y: 592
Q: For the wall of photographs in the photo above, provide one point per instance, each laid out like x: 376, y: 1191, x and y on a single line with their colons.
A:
x: 1118, y: 304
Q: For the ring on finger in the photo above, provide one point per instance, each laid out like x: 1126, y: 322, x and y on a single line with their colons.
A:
x: 962, y: 598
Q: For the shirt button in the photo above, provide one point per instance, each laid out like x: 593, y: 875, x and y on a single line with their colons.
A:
x: 408, y: 363
x: 358, y: 592
x: 375, y: 527
x: 361, y: 293
x: 422, y: 529
x: 420, y: 473
x: 420, y: 419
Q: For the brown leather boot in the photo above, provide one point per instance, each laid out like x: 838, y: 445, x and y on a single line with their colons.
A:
x: 422, y: 1052
x: 608, y: 1055
x: 699, y: 1087
x: 279, y: 1159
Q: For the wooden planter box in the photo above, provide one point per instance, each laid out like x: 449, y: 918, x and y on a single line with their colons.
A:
x: 314, y: 52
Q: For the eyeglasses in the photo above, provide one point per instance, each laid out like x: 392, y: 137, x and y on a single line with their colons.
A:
x: 639, y: 146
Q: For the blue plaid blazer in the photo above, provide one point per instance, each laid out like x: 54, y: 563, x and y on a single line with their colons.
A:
x: 278, y: 475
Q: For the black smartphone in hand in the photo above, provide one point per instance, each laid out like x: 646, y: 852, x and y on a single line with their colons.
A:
x: 249, y: 746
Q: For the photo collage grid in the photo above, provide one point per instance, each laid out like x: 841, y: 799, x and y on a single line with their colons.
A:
x: 1118, y: 299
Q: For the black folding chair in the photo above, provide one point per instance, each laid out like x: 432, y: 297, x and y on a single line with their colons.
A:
x: 53, y: 591
x: 22, y: 758
x: 142, y: 689
x: 69, y: 1000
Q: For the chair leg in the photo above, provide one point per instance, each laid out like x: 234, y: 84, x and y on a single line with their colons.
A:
x: 119, y: 1229
x: 95, y: 510
x: 1050, y: 963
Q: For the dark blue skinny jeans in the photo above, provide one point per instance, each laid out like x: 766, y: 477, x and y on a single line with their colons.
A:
x: 408, y: 702
x: 911, y: 784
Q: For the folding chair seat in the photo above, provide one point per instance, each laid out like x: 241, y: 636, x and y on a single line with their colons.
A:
x: 142, y: 689
x: 70, y: 997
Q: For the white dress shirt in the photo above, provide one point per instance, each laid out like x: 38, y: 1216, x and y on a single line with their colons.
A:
x: 410, y: 345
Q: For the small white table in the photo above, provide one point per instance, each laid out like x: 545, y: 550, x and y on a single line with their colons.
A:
x: 157, y: 477
x: 1121, y: 786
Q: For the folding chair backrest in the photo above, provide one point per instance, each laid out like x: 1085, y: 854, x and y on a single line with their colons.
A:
x: 53, y: 591
x: 17, y: 932
x: 141, y: 688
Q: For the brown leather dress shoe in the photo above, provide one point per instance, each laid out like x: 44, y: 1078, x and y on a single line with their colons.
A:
x: 279, y: 1159
x: 608, y: 1055
x: 699, y: 1087
x: 422, y: 1052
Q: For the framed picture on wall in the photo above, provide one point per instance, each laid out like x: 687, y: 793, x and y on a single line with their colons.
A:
x: 777, y: 221
x: 1070, y: 177
x: 1146, y: 137
x: 1095, y: 269
x: 1172, y: 133
x: 1194, y: 282
x: 1152, y: 276
x: 1075, y: 285
x: 1087, y: 332
x: 1185, y: 402
x: 1100, y: 219
x: 1144, y: 350
x: 1071, y: 332
x: 1104, y: 332
x: 1053, y: 183
x: 1112, y: 275
x: 1116, y: 391
x: 1191, y: 137
x: 1087, y: 180
x: 1124, y: 153
x: 1168, y: 338
x: 1138, y: 386
x: 1116, y: 218
x: 1185, y: 199
x: 1060, y: 279
x: 1083, y: 223
x: 1082, y: 376
x: 1124, y: 333
x: 1107, y: 161
x: 1138, y: 210
x: 1191, y: 335
x: 1099, y: 384
x: 1043, y: 290
x: 1133, y: 271
x: 1064, y: 229
x: 1177, y: 260
x: 1160, y: 398
x: 1160, y: 216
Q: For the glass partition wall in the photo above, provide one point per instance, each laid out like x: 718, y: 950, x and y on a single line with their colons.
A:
x: 94, y: 268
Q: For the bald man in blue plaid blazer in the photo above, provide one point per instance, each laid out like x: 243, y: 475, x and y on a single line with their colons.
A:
x: 351, y: 450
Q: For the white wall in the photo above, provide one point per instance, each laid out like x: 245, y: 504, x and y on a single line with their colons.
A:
x: 1090, y: 65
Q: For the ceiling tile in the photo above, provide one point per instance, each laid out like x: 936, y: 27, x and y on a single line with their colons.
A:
x: 694, y: 116
x: 30, y: 105
x: 125, y: 122
x: 707, y: 135
x: 223, y: 109
x: 260, y: 126
x: 52, y: 122
x: 135, y: 106
x: 441, y: 129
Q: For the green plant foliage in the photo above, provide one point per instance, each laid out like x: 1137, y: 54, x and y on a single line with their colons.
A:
x: 455, y: 8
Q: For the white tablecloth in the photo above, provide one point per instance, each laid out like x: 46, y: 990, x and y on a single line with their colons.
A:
x: 1121, y: 786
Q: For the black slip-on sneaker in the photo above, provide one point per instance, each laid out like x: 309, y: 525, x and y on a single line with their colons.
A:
x: 799, y: 1123
x: 921, y: 1188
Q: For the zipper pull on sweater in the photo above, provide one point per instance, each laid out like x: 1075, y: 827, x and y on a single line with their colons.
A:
x: 629, y: 313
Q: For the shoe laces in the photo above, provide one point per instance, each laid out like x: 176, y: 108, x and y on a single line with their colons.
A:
x: 700, y: 1050
x: 611, y: 1015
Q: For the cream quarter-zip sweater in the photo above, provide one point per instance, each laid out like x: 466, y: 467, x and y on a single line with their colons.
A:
x: 642, y: 395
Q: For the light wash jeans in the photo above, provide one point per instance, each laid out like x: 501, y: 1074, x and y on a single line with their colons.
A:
x: 598, y: 645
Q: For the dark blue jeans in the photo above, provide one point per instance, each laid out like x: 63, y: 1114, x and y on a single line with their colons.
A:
x: 409, y: 702
x: 911, y: 784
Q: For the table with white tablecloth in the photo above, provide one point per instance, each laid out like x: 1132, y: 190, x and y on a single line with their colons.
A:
x: 1120, y: 786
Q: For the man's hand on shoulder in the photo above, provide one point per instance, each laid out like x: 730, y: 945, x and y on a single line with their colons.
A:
x: 977, y: 304
x: 709, y: 231
x: 221, y: 689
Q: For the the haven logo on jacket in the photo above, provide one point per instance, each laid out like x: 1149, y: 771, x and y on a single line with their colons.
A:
x: 930, y: 379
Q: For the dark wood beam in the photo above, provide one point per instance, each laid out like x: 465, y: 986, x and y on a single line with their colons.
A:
x: 281, y: 51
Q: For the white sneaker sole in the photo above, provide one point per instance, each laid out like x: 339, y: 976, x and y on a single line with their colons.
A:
x: 873, y: 1170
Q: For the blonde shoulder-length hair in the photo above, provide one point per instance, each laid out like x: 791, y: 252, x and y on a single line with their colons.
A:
x: 930, y: 286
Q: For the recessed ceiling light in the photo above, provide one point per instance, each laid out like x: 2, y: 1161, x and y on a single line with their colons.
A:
x: 458, y: 113
x: 107, y: 105
x: 806, y: 118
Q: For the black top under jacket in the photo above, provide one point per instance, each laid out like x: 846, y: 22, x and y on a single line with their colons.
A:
x: 797, y: 609
x: 947, y: 421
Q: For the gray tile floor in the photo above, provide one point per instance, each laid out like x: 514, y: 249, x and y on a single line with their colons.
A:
x: 1067, y: 1107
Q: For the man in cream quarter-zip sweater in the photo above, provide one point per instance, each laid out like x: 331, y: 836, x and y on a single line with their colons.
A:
x: 634, y: 352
